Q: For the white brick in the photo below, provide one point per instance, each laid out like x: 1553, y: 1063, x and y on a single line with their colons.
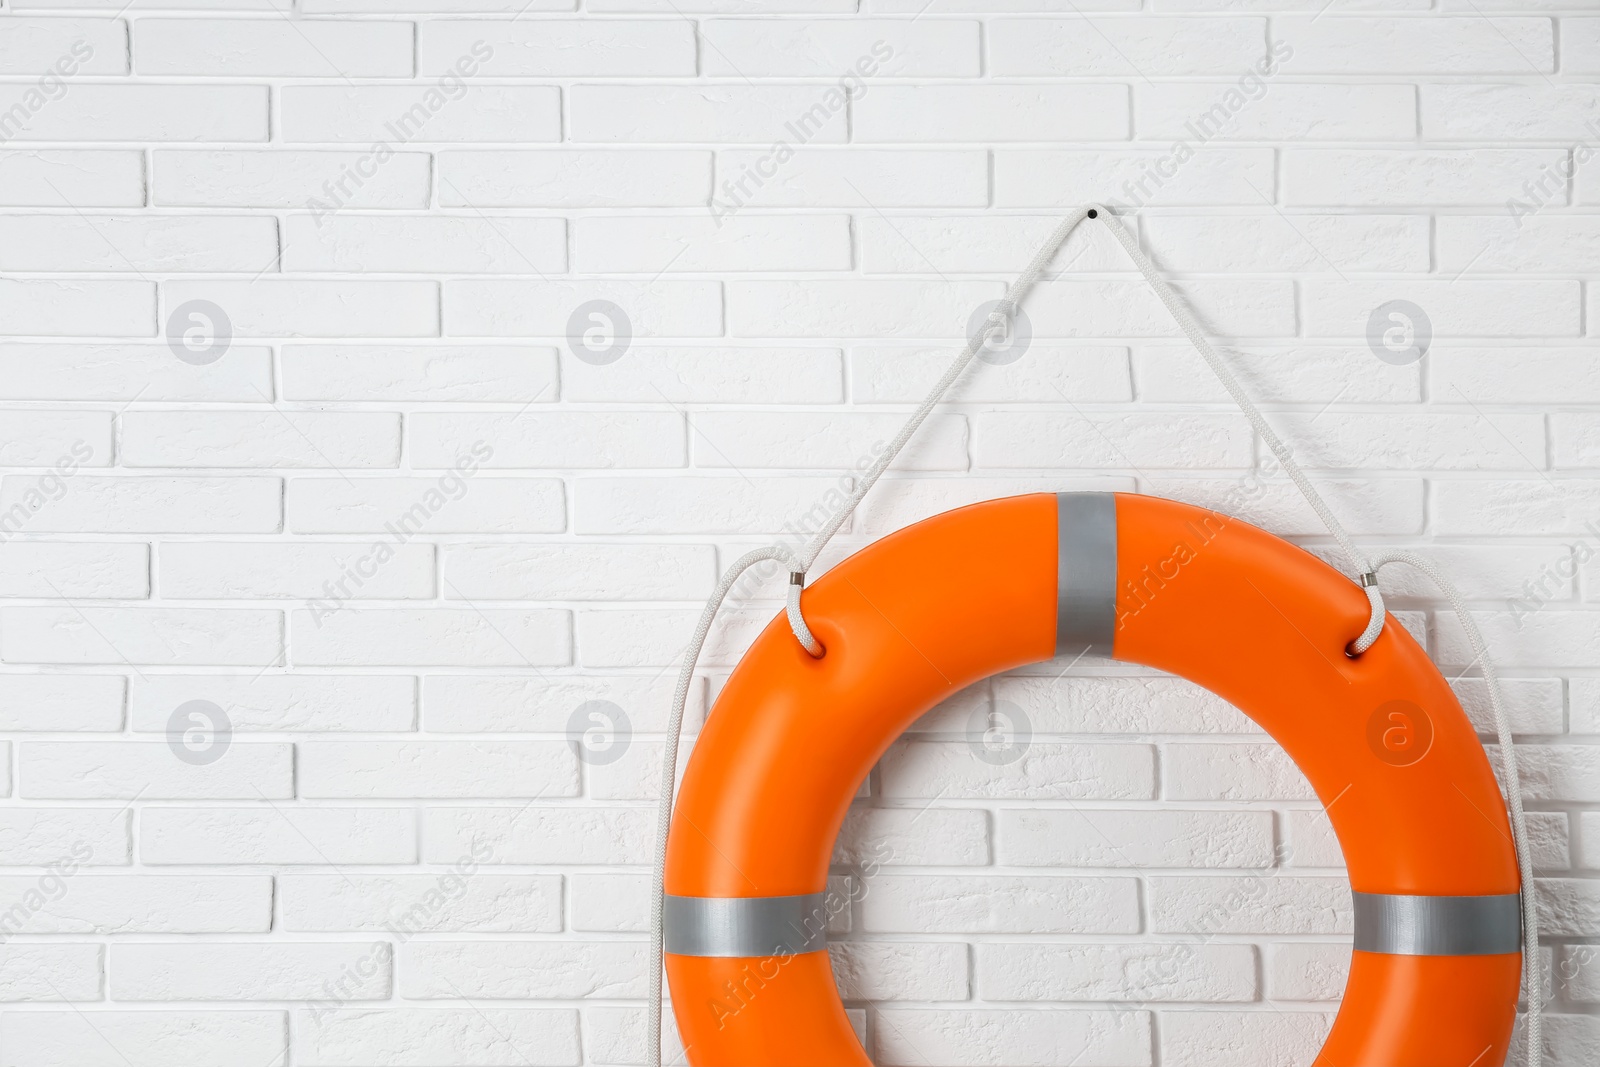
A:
x: 847, y: 50
x: 1030, y: 178
x: 1477, y: 46
x: 1118, y: 309
x: 1580, y: 46
x: 77, y: 308
x: 1548, y: 375
x: 1420, y: 440
x: 1030, y: 1037
x: 1004, y: 244
x: 41, y: 837
x: 65, y: 47
x: 411, y: 244
x: 143, y: 904
x: 1503, y: 244
x: 295, y: 179
x: 1534, y: 705
x: 565, y: 571
x: 437, y: 769
x: 550, y: 48
x: 1520, y: 506
x: 899, y: 970
x: 97, y: 1040
x: 997, y: 904
x: 1156, y: 971
x: 510, y: 704
x: 411, y: 1037
x: 444, y: 504
x: 550, y: 439
x: 170, y: 636
x: 1041, y: 770
x: 1045, y: 439
x: 1437, y: 177
x: 708, y: 375
x: 1106, y: 705
x: 918, y: 837
x: 610, y: 903
x: 1232, y: 772
x: 54, y: 702
x: 1133, y: 838
x: 1589, y: 840
x: 1290, y: 243
x: 1456, y: 309
x: 876, y: 308
x: 1546, y: 638
x: 460, y: 899
x: 1121, y: 48
x: 79, y: 569
x: 62, y: 177
x: 765, y: 439
x: 1214, y: 1038
x: 905, y: 374
x: 1585, y: 698
x: 273, y: 48
x: 468, y: 637
x: 113, y: 504
x: 281, y: 307
x: 127, y: 243
x: 506, y: 373
x: 1252, y: 904
x: 898, y: 502
x: 701, y: 505
x: 317, y: 439
x: 1270, y: 500
x: 850, y: 177
x: 647, y: 638
x: 1301, y: 374
x: 233, y: 570
x: 33, y: 437
x: 506, y: 307
x: 279, y: 835
x: 133, y: 112
x: 525, y: 834
x: 732, y: 112
x: 925, y: 113
x: 51, y: 972
x: 1307, y: 971
x: 638, y: 244
x: 604, y: 178
x: 1247, y: 110
x: 1557, y: 773
x: 252, y: 971
x: 465, y: 111
x: 522, y: 970
x: 1575, y: 438
x: 79, y: 770
x: 127, y: 371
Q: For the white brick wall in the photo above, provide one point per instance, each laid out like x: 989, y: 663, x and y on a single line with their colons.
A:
x: 297, y: 620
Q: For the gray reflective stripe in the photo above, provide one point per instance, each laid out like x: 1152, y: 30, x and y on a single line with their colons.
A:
x: 1438, y: 926
x: 1086, y: 572
x: 745, y: 926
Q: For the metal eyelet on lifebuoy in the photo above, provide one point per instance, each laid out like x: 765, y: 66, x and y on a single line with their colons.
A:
x: 1382, y: 739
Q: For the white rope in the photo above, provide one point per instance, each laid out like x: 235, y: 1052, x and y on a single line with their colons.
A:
x: 1513, y: 790
x: 999, y: 320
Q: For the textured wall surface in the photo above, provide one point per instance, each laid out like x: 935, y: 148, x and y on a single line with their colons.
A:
x: 383, y: 384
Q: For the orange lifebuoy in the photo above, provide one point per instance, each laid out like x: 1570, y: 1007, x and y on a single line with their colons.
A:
x: 961, y: 596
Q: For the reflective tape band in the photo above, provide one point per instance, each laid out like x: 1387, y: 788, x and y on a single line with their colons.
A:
x: 1086, y: 573
x: 745, y: 926
x: 1438, y: 926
